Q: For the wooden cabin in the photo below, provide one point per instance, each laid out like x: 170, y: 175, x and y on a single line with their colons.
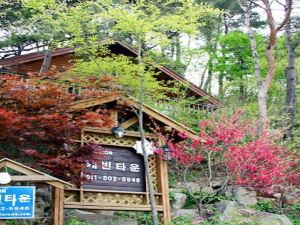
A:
x: 63, y: 59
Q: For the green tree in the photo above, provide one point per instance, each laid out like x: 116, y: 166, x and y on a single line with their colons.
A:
x: 145, y: 23
x: 233, y: 60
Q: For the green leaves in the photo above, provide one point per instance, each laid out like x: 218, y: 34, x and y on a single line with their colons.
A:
x: 149, y: 22
x: 123, y: 69
x: 39, y: 5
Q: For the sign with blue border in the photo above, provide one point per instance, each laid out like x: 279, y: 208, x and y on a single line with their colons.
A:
x: 17, y: 202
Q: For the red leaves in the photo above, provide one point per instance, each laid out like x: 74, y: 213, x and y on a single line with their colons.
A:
x: 258, y: 162
x: 95, y: 119
x: 35, y: 121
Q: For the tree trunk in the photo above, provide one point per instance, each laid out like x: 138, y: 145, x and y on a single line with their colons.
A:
x: 203, y: 76
x: 290, y: 100
x: 257, y: 71
x: 209, y: 75
x: 221, y: 86
x: 225, y: 23
x: 142, y: 134
x: 46, y: 62
x: 263, y: 86
x: 178, y: 48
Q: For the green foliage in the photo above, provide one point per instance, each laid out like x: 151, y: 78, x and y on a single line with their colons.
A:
x: 143, y: 218
x: 235, y: 59
x: 173, y: 179
x: 75, y: 221
x: 266, y: 206
x: 123, y: 70
x: 147, y: 22
x: 172, y: 196
x: 205, y: 197
x: 293, y: 213
x: 182, y: 220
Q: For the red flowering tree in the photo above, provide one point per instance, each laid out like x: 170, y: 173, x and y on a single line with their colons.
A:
x: 230, y: 148
x: 37, y: 126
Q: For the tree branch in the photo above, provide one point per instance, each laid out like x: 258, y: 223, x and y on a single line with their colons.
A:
x: 288, y: 9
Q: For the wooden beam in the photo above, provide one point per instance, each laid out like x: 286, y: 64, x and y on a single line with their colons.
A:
x: 32, y: 172
x: 128, y: 123
x: 32, y: 178
x: 2, y: 164
x: 85, y: 205
x: 127, y: 133
x: 114, y: 117
x: 110, y: 191
x: 93, y: 102
x: 22, y: 169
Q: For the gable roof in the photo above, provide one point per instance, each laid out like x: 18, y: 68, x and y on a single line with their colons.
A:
x: 126, y: 49
x: 35, y: 56
x: 134, y: 103
x: 33, y: 174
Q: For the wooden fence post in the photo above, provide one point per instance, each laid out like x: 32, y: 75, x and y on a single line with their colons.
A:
x: 58, y: 206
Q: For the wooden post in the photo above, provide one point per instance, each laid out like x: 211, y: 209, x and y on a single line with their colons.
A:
x: 55, y: 205
x: 58, y: 206
x: 61, y: 207
x: 165, y: 192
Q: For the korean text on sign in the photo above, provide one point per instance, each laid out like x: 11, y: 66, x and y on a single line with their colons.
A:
x: 17, y: 202
x: 108, y: 165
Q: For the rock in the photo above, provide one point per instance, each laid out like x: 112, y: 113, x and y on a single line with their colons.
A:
x: 175, y: 190
x: 244, y: 197
x: 79, y: 213
x: 229, y: 191
x: 265, y: 218
x: 291, y: 198
x: 234, y: 213
x: 218, y: 182
x: 179, y: 200
x: 42, y: 199
x: 104, y: 212
x: 193, y: 186
x: 277, y: 195
x: 190, y: 213
x: 207, y: 189
x: 227, y: 208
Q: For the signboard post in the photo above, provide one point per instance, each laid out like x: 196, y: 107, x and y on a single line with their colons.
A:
x: 17, y: 202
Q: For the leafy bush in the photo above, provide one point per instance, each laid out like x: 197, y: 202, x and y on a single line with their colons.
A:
x: 266, y: 206
x: 143, y: 218
x: 293, y: 213
x: 75, y: 221
x: 205, y: 196
x: 172, y: 196
x: 182, y: 220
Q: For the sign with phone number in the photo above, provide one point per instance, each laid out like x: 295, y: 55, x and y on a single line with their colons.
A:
x: 17, y: 202
x: 120, y: 169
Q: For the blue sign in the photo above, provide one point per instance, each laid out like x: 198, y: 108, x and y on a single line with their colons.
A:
x: 17, y: 202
